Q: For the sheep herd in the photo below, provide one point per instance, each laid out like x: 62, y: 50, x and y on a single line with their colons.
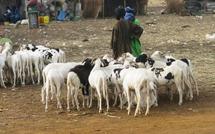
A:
x: 128, y: 80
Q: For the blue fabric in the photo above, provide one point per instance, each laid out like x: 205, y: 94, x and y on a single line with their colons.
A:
x: 129, y: 10
x: 129, y: 16
x: 12, y: 14
x: 61, y: 16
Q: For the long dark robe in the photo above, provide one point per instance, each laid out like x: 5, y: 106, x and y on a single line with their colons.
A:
x: 121, y: 37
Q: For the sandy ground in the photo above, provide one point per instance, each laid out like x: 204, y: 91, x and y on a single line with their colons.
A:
x: 21, y: 111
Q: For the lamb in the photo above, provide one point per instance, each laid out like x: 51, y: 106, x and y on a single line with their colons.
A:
x: 78, y: 78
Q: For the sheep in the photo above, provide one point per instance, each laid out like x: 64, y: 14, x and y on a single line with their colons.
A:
x: 108, y: 58
x: 139, y: 80
x: 61, y: 69
x: 55, y: 82
x: 50, y: 55
x: 78, y: 78
x: 98, y: 81
x: 107, y: 70
x: 14, y: 63
x: 184, y: 64
x: 168, y: 76
x: 140, y: 61
x: 37, y: 61
x: 158, y: 55
x: 26, y: 60
x: 112, y: 73
x: 3, y: 57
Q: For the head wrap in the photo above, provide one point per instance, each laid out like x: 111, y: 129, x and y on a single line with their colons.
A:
x: 119, y: 12
x: 129, y: 14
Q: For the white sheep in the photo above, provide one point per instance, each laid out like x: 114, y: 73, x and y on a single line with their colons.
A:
x: 26, y: 60
x: 139, y: 80
x: 168, y: 76
x: 14, y: 63
x: 3, y: 58
x: 73, y: 86
x: 98, y: 81
x: 55, y: 81
x: 184, y: 64
x: 78, y: 79
x: 61, y: 69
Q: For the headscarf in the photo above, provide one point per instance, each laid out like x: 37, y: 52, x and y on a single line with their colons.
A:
x: 119, y: 12
x: 129, y: 14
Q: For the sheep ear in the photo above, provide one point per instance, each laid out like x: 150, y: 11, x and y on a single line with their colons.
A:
x: 94, y: 59
x: 87, y: 59
x: 168, y: 53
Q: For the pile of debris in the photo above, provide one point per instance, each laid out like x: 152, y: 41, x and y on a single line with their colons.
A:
x: 189, y: 7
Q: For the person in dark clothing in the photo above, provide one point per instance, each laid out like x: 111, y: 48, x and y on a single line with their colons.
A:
x: 121, y: 34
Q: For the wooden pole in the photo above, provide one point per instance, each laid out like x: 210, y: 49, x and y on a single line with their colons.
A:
x: 26, y: 9
x: 137, y: 6
x: 55, y: 4
x: 103, y: 8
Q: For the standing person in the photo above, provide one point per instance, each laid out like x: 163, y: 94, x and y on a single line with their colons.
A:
x: 135, y: 42
x: 122, y: 32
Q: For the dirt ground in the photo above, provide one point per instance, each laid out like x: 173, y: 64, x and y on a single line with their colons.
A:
x: 21, y: 111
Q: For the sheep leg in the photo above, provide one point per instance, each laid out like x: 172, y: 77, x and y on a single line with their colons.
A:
x: 119, y: 94
x: 31, y: 73
x: 99, y: 100
x: 138, y: 102
x: 88, y: 101
x: 129, y: 101
x: 195, y: 82
x: 91, y: 97
x: 83, y: 101
x: 147, y: 103
x: 107, y: 101
x: 68, y: 97
x: 14, y: 78
x: 38, y: 74
x: 47, y: 98
x: 180, y: 96
x: 2, y: 79
x: 170, y: 92
x: 43, y: 94
x: 190, y: 91
x: 58, y: 97
x: 115, y: 97
x: 76, y: 100
x: 23, y: 74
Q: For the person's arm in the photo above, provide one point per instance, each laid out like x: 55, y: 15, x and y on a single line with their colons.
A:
x: 136, y: 30
x: 114, y: 37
